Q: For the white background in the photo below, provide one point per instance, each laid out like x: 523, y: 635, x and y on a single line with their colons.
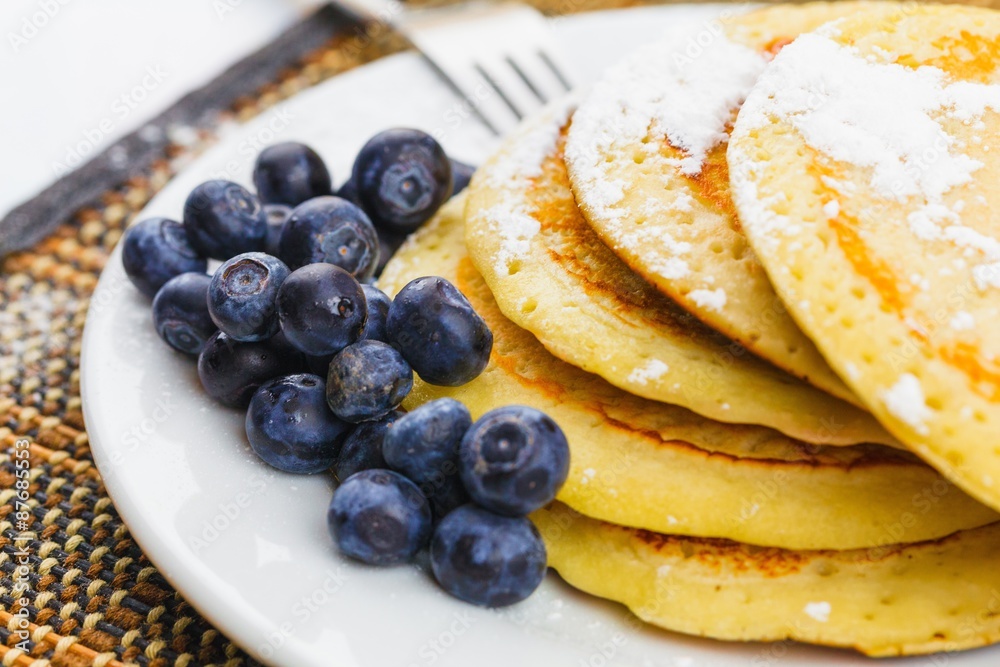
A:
x: 65, y: 66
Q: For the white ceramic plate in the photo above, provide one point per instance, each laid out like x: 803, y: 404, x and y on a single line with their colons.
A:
x: 248, y: 546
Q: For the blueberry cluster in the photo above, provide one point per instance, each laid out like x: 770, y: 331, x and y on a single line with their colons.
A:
x: 293, y: 222
x: 288, y: 329
x: 432, y: 477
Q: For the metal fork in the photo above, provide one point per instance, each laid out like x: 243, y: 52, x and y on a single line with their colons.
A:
x: 500, y: 57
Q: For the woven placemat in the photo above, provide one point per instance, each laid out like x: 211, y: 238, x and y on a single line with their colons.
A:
x: 93, y: 598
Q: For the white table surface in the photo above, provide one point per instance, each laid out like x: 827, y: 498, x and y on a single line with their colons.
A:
x: 75, y: 75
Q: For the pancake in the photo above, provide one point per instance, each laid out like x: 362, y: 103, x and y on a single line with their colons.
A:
x: 647, y: 161
x: 551, y: 275
x: 652, y: 465
x: 929, y: 597
x: 866, y: 169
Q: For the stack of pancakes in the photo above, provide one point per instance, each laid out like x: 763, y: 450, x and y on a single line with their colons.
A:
x: 754, y: 274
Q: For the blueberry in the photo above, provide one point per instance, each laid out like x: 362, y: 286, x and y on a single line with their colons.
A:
x: 487, y: 559
x: 243, y: 295
x: 378, y: 310
x: 367, y: 380
x: 388, y: 242
x: 349, y: 191
x: 180, y: 313
x: 362, y: 449
x: 224, y: 219
x: 435, y: 327
x: 402, y: 176
x: 448, y: 495
x: 231, y: 371
x: 322, y: 309
x: 290, y: 427
x: 379, y: 517
x: 514, y: 460
x: 423, y: 445
x: 331, y: 230
x: 277, y: 216
x: 157, y: 249
x: 461, y: 174
x: 290, y: 173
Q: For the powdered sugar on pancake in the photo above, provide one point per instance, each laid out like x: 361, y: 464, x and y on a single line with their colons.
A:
x: 652, y: 371
x: 511, y: 218
x: 819, y: 611
x: 639, y: 97
x: 869, y: 113
x: 962, y: 321
x: 711, y: 299
x: 670, y: 93
x: 905, y: 401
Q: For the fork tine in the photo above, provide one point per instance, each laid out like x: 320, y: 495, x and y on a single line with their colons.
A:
x: 480, y: 94
x: 512, y: 86
x: 558, y: 66
x: 537, y: 75
x: 502, y: 49
x: 535, y: 89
